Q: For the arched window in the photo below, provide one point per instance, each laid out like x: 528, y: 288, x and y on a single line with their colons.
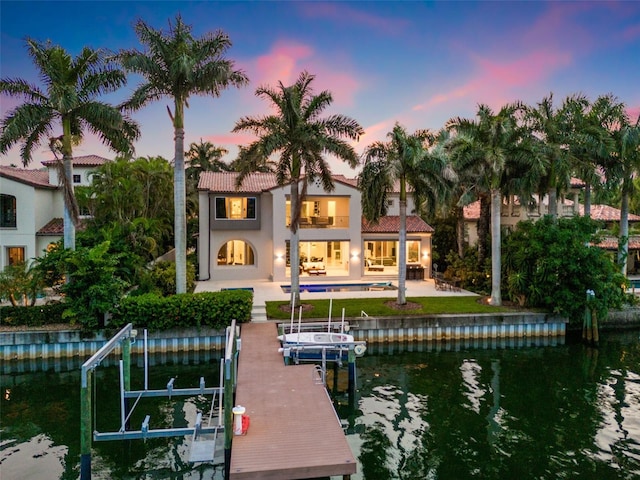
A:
x: 8, y: 211
x: 236, y: 252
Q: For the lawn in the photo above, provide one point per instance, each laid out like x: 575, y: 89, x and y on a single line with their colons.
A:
x: 376, y: 307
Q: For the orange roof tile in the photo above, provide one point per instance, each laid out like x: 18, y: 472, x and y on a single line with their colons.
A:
x: 82, y: 161
x: 391, y: 224
x: 611, y: 243
x: 54, y: 227
x: 225, y: 182
x: 607, y: 213
x: 35, y: 178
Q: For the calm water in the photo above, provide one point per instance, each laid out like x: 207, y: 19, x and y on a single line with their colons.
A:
x: 528, y: 413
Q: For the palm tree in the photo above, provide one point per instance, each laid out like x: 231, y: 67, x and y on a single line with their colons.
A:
x: 205, y: 157
x: 627, y: 167
x: 486, y: 146
x: 404, y: 159
x: 298, y: 134
x: 606, y: 114
x: 68, y: 103
x: 202, y: 157
x: 177, y: 65
x: 558, y: 136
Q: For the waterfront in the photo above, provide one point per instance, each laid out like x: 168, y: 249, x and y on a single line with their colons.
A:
x: 561, y: 411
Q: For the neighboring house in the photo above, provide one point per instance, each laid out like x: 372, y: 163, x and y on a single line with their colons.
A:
x: 512, y: 213
x: 244, y: 233
x: 31, y: 207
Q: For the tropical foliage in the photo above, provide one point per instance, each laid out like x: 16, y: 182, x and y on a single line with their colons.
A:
x: 551, y: 265
x: 488, y: 149
x: 20, y: 284
x: 301, y: 137
x: 403, y: 159
x: 62, y: 112
x: 177, y: 65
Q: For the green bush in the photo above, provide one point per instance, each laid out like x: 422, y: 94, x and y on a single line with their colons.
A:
x: 207, y: 309
x: 161, y: 279
x: 551, y: 264
x: 94, y: 287
x: 32, y: 316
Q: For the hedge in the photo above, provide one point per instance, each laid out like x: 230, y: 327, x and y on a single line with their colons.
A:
x: 207, y: 309
x: 35, y: 316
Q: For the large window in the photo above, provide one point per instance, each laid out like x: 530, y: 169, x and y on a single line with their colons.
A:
x: 7, y: 211
x: 236, y: 208
x: 236, y: 252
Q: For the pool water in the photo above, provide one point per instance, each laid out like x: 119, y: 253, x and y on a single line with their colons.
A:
x: 342, y: 287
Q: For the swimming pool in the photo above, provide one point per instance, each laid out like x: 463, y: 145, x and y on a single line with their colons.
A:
x: 342, y: 287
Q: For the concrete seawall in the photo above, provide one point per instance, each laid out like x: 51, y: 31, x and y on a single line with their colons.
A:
x: 481, y: 329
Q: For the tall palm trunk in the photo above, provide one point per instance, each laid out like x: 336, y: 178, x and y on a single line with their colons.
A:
x: 70, y: 204
x: 496, y: 261
x: 294, y: 245
x: 484, y: 223
x: 180, y: 215
x: 67, y: 186
x: 587, y: 200
x: 623, y: 241
x: 402, y: 245
x: 460, y: 230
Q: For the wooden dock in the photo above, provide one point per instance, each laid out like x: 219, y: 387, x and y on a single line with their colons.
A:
x: 294, y: 431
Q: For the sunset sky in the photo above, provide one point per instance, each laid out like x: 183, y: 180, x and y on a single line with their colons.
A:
x: 416, y: 63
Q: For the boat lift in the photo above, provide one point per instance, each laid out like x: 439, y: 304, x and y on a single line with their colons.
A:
x: 204, y: 437
x: 323, y: 353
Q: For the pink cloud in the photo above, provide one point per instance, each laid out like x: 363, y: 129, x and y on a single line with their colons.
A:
x: 340, y: 12
x: 287, y: 59
x: 631, y: 33
x: 281, y: 63
x: 494, y: 82
x: 634, y: 113
x: 524, y: 71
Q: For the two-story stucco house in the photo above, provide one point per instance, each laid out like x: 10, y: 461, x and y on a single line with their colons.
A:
x: 244, y: 232
x: 31, y: 207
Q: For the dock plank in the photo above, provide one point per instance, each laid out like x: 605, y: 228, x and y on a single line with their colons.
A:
x: 294, y: 432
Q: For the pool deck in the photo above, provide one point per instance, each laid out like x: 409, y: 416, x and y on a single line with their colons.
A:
x: 265, y: 290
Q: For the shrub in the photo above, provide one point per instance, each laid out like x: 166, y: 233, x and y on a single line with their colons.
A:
x: 161, y: 279
x: 94, y: 288
x: 550, y: 264
x: 39, y: 315
x: 206, y: 309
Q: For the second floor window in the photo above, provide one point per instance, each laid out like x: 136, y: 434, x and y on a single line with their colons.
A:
x: 8, y: 211
x: 77, y: 178
x: 236, y: 208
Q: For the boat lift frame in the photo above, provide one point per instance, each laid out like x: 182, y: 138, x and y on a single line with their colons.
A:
x: 228, y: 378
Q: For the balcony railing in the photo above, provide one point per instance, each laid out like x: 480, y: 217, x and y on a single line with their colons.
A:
x: 319, y: 221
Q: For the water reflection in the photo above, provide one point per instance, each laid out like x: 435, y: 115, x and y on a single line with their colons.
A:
x: 543, y: 413
x: 448, y: 411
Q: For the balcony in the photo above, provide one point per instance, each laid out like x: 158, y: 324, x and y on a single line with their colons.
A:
x: 320, y: 221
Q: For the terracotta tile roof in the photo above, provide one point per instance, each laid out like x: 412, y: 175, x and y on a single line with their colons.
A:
x: 472, y: 211
x: 54, y: 227
x: 225, y: 182
x: 606, y: 213
x: 391, y: 224
x: 349, y: 181
x: 576, y: 183
x: 611, y: 243
x: 83, y: 161
x: 35, y: 178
